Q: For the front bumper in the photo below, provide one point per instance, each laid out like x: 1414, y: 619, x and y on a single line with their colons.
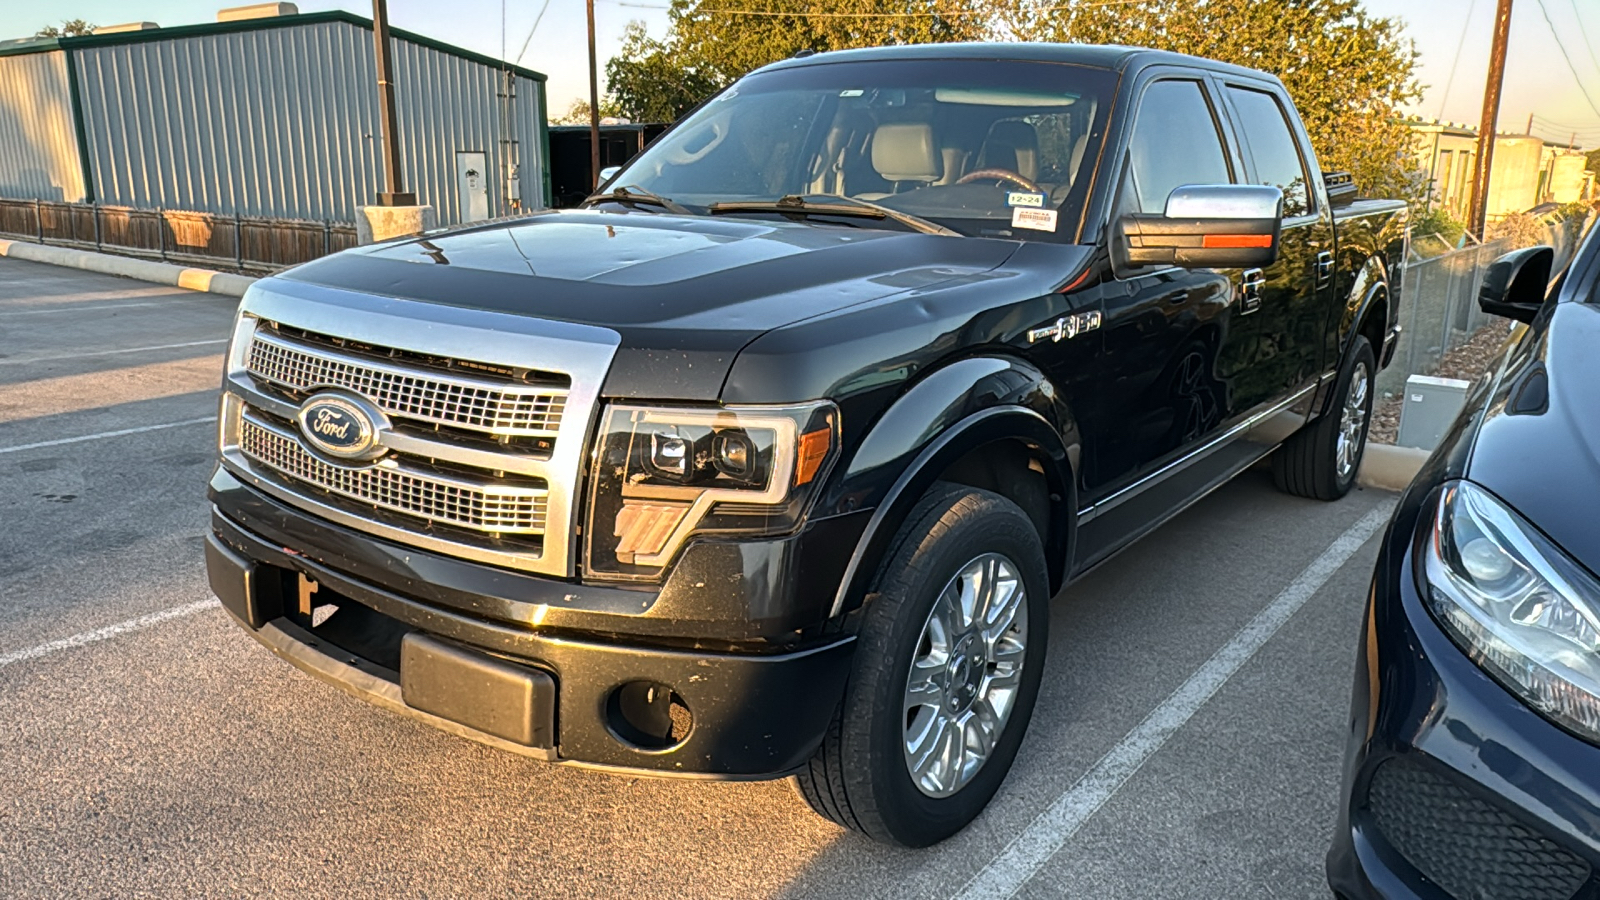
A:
x: 539, y: 692
x: 1452, y: 786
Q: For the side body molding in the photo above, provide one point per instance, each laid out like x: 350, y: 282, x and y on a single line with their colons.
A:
x: 949, y: 413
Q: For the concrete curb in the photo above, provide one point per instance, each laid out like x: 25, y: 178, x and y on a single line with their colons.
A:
x: 142, y: 269
x: 1390, y: 468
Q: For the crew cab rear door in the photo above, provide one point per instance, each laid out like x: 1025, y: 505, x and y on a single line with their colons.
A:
x: 1288, y: 313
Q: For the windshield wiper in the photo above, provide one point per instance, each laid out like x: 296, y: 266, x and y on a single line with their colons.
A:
x: 633, y: 195
x: 837, y: 205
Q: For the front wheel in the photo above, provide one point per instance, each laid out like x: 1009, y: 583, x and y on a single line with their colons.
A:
x: 1321, y: 460
x: 946, y: 670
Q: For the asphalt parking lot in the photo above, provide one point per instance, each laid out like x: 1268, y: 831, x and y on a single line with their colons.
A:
x: 1187, y: 741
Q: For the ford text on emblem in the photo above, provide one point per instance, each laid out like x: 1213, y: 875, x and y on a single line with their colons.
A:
x: 341, y: 426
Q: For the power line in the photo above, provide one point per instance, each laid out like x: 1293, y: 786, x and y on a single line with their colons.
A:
x: 796, y: 14
x: 1583, y: 31
x: 1563, y: 48
x: 1465, y: 23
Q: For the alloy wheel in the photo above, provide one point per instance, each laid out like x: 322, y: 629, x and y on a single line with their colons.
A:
x: 966, y: 675
x: 1352, y: 422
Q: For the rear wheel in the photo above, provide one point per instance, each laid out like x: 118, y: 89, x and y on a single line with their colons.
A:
x: 1321, y: 460
x: 947, y: 667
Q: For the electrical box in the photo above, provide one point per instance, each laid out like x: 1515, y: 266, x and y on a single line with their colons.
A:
x: 1431, y: 406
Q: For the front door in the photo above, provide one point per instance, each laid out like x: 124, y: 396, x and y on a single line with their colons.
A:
x: 1171, y: 360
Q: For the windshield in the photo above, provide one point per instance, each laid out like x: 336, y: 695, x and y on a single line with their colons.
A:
x: 982, y: 147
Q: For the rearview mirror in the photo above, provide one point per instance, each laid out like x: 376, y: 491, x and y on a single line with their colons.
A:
x: 1515, y: 284
x: 1209, y: 226
x: 608, y: 173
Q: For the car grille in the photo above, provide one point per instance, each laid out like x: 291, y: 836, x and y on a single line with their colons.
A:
x: 472, y: 404
x: 493, y: 508
x: 1465, y: 844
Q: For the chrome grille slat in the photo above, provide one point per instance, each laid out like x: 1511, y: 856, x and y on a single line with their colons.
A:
x: 437, y: 398
x: 491, y: 508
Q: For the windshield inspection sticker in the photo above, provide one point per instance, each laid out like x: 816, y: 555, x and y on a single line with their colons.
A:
x: 1035, y: 219
x: 854, y: 92
x: 1031, y: 199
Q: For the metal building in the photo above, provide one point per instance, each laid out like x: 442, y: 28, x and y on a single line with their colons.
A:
x: 266, y: 117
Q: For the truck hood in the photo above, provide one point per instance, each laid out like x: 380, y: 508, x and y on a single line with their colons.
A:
x: 685, y: 293
x: 1538, y: 448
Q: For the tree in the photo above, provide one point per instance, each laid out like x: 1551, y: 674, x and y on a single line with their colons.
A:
x: 651, y: 82
x: 706, y: 47
x: 1594, y: 162
x: 578, y: 112
x: 1348, y: 72
x: 68, y: 28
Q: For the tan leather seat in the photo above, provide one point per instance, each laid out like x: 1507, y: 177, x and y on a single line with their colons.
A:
x: 1013, y: 145
x: 905, y: 152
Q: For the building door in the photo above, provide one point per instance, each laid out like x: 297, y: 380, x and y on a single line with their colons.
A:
x: 472, y: 185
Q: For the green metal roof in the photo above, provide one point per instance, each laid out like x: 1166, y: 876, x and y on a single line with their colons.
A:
x: 45, y: 45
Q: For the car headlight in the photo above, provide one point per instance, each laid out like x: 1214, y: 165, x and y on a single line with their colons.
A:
x: 663, y: 474
x: 1522, y: 609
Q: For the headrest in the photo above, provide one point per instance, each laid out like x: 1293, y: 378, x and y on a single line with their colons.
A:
x: 1012, y: 145
x: 905, y: 152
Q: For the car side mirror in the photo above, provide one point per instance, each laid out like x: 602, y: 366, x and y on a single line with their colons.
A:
x: 1206, y: 226
x: 606, y: 174
x: 1515, y: 284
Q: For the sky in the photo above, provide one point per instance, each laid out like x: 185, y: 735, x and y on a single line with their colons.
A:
x: 1538, y: 78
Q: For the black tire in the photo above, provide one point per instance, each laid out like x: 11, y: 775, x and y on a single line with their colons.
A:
x: 859, y: 777
x: 1307, y: 465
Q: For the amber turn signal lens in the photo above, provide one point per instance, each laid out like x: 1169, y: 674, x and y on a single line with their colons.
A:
x: 1226, y: 241
x: 813, y: 450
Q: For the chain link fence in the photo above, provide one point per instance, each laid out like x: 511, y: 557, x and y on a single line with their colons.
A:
x: 1439, y: 309
x: 242, y: 243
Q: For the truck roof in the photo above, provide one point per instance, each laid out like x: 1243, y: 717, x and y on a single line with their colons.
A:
x: 1105, y: 56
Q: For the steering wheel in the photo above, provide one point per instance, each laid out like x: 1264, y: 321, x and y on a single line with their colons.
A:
x: 1000, y: 175
x: 714, y: 131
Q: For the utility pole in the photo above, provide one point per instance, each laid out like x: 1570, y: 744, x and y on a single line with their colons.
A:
x: 395, y: 195
x: 594, y: 108
x: 1486, y: 124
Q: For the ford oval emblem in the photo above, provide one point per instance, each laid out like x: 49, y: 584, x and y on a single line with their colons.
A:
x: 342, y: 426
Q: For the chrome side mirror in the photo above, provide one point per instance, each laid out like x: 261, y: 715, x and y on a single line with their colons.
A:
x: 1208, y: 226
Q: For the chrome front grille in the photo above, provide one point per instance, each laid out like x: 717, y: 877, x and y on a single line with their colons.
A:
x: 492, y: 508
x: 488, y: 419
x: 439, y: 398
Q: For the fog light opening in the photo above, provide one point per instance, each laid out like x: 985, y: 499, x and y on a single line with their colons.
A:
x: 648, y: 716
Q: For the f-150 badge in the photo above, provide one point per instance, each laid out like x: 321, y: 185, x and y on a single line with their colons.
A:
x: 1065, y: 327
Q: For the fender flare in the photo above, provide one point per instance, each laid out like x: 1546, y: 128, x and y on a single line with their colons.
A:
x: 1371, y: 285
x: 954, y: 410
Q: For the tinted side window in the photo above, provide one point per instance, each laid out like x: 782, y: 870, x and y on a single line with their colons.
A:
x: 1175, y: 142
x: 1273, y: 147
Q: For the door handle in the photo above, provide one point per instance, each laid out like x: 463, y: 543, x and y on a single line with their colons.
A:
x: 1324, y: 268
x: 1250, y: 284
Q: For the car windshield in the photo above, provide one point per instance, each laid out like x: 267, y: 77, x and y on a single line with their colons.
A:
x: 981, y: 147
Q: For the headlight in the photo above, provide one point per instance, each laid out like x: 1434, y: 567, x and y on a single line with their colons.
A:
x: 1517, y: 604
x: 662, y: 474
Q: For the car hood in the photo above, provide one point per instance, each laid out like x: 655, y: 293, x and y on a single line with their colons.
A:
x: 1538, y: 448
x: 684, y: 292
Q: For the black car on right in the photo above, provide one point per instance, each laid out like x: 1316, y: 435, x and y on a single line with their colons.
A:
x: 1473, y: 765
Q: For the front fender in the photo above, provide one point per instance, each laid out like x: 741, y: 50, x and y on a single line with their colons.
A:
x: 945, y: 415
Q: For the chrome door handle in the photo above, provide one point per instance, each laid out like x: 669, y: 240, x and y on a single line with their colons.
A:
x: 1324, y: 268
x: 1250, y: 283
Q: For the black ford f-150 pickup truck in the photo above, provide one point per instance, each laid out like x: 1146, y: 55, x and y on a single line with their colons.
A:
x: 768, y: 461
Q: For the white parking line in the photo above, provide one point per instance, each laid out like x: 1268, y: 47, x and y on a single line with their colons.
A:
x: 1030, y: 850
x: 34, y: 359
x: 105, y: 434
x: 108, y: 632
x: 84, y: 307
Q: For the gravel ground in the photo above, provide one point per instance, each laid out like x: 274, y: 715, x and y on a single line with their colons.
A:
x: 1466, y: 362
